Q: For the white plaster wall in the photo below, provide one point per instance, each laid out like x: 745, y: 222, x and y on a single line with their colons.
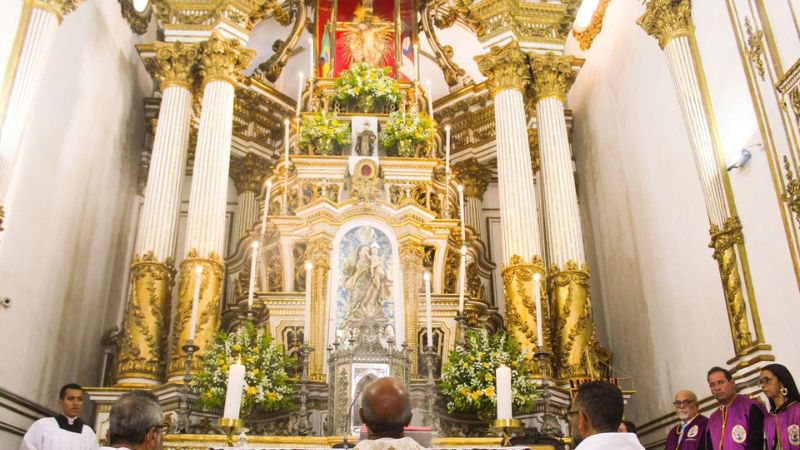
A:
x: 9, y: 24
x: 657, y: 294
x: 64, y: 254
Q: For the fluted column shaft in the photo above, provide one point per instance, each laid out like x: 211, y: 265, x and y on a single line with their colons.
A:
x: 508, y: 74
x: 246, y: 213
x: 671, y: 23
x: 473, y: 207
x: 221, y: 62
x: 41, y: 29
x: 141, y: 348
x: 319, y: 253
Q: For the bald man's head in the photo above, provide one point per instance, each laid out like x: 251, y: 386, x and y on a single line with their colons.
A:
x: 386, y: 408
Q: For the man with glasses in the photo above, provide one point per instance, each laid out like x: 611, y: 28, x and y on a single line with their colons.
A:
x: 136, y: 422
x: 595, y: 416
x: 738, y: 424
x: 687, y: 435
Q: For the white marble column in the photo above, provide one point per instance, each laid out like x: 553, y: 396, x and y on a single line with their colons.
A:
x: 221, y: 63
x: 45, y: 16
x: 141, y: 347
x: 670, y: 23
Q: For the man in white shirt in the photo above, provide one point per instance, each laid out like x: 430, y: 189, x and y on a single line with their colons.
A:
x: 595, y: 416
x: 136, y: 422
x: 386, y: 410
x: 65, y: 431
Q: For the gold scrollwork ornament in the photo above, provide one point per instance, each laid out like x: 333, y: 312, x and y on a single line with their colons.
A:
x: 553, y: 75
x: 505, y: 68
x: 223, y: 59
x: 519, y: 288
x: 667, y: 19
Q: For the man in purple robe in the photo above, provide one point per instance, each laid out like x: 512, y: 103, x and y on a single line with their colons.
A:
x: 689, y: 433
x: 738, y: 424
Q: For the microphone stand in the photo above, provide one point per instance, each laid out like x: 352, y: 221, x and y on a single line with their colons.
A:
x: 347, y: 423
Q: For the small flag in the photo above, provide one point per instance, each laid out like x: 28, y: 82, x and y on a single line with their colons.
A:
x: 325, y: 52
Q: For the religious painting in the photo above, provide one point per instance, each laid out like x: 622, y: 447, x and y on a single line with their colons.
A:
x: 380, y: 33
x: 364, y: 291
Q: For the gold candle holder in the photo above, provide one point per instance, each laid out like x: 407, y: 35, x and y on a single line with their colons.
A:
x: 507, y: 428
x: 231, y: 426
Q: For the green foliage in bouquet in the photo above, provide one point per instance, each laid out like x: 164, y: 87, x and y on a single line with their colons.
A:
x: 362, y: 80
x: 403, y: 126
x: 468, y: 378
x: 266, y: 381
x: 324, y: 133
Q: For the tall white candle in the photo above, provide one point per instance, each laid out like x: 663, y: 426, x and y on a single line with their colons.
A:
x: 311, y: 71
x: 286, y: 144
x: 462, y: 279
x: 198, y: 280
x: 447, y: 149
x: 233, y: 395
x: 503, y: 389
x: 430, y: 98
x: 537, y: 295
x: 299, y: 94
x: 307, y: 323
x: 253, y: 260
x: 461, y: 211
x: 427, y: 278
x: 266, y: 208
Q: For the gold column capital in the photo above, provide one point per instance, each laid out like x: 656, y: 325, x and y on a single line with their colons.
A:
x: 249, y: 173
x: 474, y: 176
x: 505, y: 68
x: 553, y: 75
x: 58, y: 8
x: 173, y: 63
x: 223, y: 59
x: 666, y: 19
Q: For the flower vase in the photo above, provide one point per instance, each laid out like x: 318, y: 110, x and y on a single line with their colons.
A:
x: 324, y: 146
x: 406, y: 148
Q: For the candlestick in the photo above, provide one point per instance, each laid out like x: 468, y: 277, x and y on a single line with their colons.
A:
x: 266, y: 208
x: 233, y: 395
x: 253, y: 261
x: 503, y: 389
x: 427, y: 278
x: 461, y: 279
x: 307, y: 323
x: 460, y: 189
x: 430, y: 98
x: 537, y: 295
x: 447, y: 149
x: 198, y: 280
x: 311, y: 71
x: 299, y: 94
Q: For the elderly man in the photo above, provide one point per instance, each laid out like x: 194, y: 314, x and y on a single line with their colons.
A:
x: 135, y: 422
x: 386, y: 410
x: 65, y: 431
x: 595, y: 416
x: 738, y: 424
x: 688, y: 435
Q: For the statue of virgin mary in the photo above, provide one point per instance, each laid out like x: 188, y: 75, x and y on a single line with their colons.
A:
x: 368, y: 286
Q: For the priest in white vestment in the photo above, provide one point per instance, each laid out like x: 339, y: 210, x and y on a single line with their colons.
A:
x: 386, y: 410
x: 65, y: 431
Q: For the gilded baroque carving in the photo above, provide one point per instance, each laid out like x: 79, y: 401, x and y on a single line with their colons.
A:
x: 586, y: 37
x: 2, y: 216
x: 794, y: 97
x: 666, y: 19
x: 223, y: 59
x: 474, y: 176
x: 755, y: 48
x: 533, y: 142
x: 58, y: 8
x: 432, y: 15
x: 207, y: 308
x: 173, y: 63
x: 137, y: 20
x: 474, y: 286
x: 724, y: 242
x: 576, y: 349
x: 450, y: 271
x: 505, y: 68
x: 318, y: 252
x: 412, y: 256
x: 272, y: 68
x: 519, y: 289
x: 141, y: 346
x: 249, y: 173
x: 535, y: 22
x: 791, y: 196
x: 553, y: 75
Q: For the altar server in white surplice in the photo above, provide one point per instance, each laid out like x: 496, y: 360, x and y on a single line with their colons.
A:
x: 386, y: 410
x: 65, y: 431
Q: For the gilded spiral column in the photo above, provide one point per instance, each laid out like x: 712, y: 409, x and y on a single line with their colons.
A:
x: 670, y: 22
x: 45, y: 16
x: 411, y: 256
x: 476, y: 178
x: 220, y: 65
x: 568, y: 274
x: 141, y: 347
x: 249, y: 174
x: 508, y: 74
x: 318, y: 252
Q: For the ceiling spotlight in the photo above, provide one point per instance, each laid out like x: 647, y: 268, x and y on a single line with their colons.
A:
x: 744, y: 156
